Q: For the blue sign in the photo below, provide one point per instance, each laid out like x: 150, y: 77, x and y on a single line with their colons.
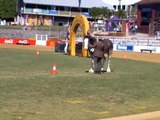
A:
x: 146, y: 9
x: 86, y: 14
x: 130, y: 47
x: 125, y: 47
x: 52, y: 12
x: 45, y: 11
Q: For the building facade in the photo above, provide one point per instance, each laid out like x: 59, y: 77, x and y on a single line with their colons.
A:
x: 49, y: 12
x: 129, y: 6
x: 148, y: 11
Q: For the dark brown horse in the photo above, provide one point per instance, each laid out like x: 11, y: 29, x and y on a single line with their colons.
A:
x: 108, y: 49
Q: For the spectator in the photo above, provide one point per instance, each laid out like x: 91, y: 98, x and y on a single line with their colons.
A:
x: 67, y: 40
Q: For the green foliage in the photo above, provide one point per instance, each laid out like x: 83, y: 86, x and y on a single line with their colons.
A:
x: 97, y: 12
x: 120, y: 14
x: 106, y: 13
x: 7, y: 9
x: 94, y: 12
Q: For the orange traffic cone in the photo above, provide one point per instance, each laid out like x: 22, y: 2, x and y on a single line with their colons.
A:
x: 125, y: 57
x: 37, y: 53
x: 54, y: 71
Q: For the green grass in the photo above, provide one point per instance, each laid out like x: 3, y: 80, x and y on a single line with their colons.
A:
x: 29, y: 91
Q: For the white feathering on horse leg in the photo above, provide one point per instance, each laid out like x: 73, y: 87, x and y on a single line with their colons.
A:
x: 108, y: 69
x: 91, y: 71
x: 102, y: 69
x: 108, y: 66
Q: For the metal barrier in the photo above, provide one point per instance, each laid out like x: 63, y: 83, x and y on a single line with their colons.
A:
x: 139, y: 41
x: 20, y: 33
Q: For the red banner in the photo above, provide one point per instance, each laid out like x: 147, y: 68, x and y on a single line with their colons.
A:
x: 18, y: 41
x: 22, y: 41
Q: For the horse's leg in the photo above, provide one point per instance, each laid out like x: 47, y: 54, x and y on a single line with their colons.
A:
x: 103, y: 63
x: 108, y: 64
x: 91, y: 70
x: 66, y: 47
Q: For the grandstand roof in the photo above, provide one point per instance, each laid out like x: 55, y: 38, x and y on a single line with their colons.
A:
x: 149, y: 2
x: 122, y: 2
x: 71, y: 3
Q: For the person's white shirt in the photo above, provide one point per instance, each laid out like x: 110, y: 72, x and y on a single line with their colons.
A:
x: 136, y: 26
x: 86, y: 43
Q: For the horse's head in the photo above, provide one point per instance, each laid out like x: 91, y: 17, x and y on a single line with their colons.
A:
x: 91, y: 40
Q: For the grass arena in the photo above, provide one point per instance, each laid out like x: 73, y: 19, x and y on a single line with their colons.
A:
x: 29, y: 91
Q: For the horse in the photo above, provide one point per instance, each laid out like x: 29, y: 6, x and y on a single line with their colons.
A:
x: 108, y: 50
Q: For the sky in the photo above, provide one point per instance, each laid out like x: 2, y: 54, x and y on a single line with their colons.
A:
x: 123, y: 2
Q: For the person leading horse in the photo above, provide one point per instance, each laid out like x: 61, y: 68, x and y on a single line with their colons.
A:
x: 99, y: 51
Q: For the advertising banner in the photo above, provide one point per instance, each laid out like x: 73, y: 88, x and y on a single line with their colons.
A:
x: 17, y: 41
x: 124, y: 47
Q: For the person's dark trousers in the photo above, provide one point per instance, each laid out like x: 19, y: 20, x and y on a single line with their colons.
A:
x: 97, y: 65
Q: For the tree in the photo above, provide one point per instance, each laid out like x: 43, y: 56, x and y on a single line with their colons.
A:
x: 97, y: 12
x: 106, y: 13
x: 120, y: 14
x: 7, y: 9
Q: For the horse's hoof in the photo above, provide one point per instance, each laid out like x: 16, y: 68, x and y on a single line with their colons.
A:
x: 108, y: 70
x: 91, y: 71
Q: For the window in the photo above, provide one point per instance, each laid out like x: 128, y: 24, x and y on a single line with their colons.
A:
x: 119, y: 7
x: 123, y: 7
x: 146, y: 14
x: 114, y: 7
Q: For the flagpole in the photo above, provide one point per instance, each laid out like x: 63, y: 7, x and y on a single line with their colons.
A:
x: 79, y: 5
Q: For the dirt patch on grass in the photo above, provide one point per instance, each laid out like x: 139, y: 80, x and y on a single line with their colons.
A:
x: 28, y: 47
x: 150, y: 57
x: 144, y: 116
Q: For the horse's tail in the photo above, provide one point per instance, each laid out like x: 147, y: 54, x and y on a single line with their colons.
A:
x: 110, y: 48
